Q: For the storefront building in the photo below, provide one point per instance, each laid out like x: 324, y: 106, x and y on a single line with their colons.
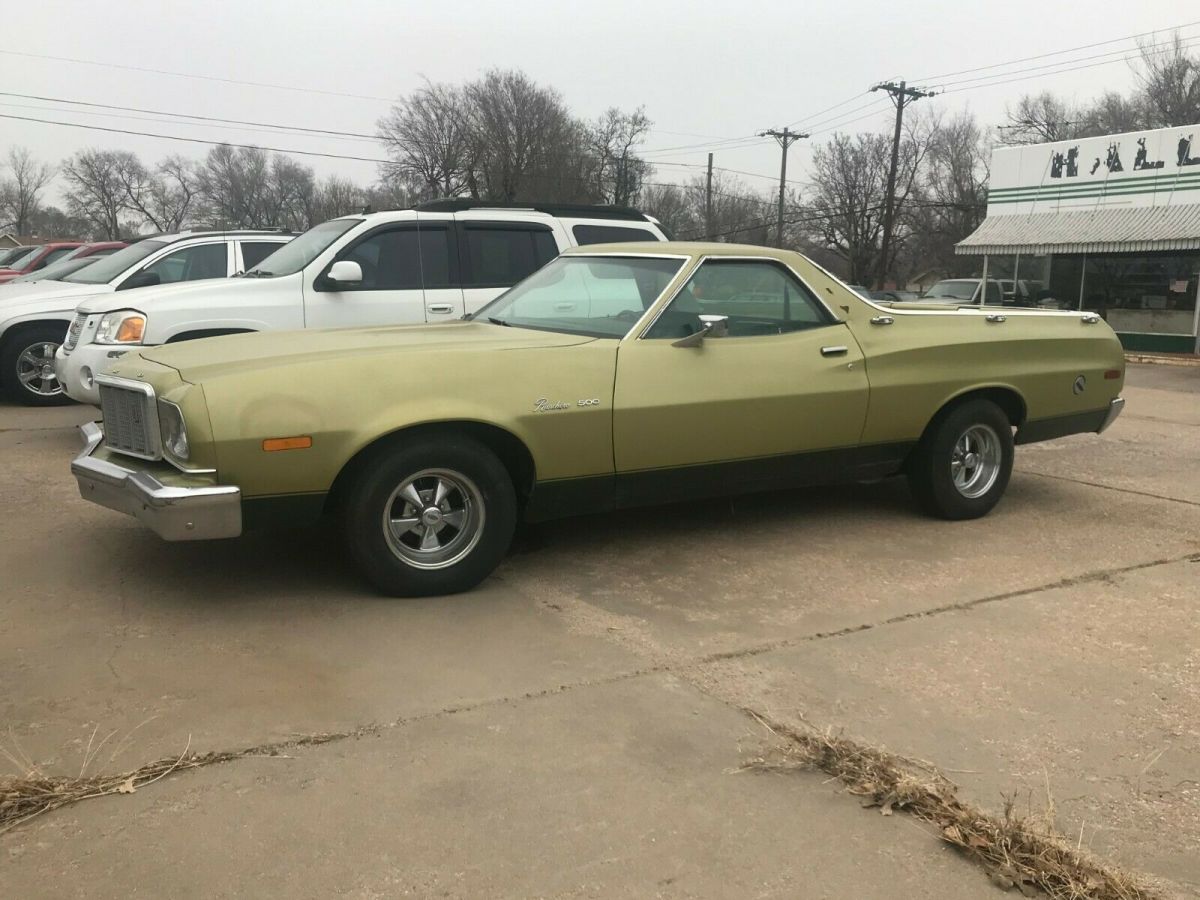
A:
x: 1107, y: 224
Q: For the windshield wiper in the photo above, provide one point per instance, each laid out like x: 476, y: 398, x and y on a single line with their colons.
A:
x: 259, y: 273
x: 496, y: 321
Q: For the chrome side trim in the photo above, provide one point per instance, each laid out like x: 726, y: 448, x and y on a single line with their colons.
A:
x: 1114, y: 410
x: 174, y: 513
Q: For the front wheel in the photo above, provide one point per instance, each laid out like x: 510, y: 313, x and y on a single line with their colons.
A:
x: 432, y: 517
x: 27, y: 358
x: 963, y: 462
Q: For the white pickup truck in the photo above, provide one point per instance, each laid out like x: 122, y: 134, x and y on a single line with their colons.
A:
x: 34, y: 316
x: 433, y: 263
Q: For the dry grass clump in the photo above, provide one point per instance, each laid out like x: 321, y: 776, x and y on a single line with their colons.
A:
x: 1021, y: 852
x: 22, y: 797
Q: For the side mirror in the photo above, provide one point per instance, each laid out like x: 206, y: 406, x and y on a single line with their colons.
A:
x: 711, y: 326
x: 344, y: 272
x: 143, y: 278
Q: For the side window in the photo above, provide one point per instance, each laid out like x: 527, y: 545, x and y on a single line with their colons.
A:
x: 192, y: 264
x: 395, y: 260
x: 254, y: 252
x: 758, y: 298
x: 500, y: 256
x: 610, y: 234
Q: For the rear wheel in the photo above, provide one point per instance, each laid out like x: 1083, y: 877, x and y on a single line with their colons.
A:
x: 27, y: 364
x: 963, y: 462
x: 433, y: 517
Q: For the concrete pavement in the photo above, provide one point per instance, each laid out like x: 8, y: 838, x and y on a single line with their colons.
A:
x: 569, y: 728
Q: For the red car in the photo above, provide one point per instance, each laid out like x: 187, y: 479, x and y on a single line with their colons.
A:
x: 42, y: 255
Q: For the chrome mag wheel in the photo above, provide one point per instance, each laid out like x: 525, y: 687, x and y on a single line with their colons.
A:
x: 976, y: 460
x: 434, y: 518
x: 35, y: 369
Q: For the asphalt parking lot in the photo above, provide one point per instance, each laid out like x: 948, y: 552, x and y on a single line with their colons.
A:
x: 573, y: 727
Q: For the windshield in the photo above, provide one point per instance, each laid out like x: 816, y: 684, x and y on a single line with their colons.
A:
x: 11, y: 255
x: 300, y: 251
x: 591, y: 295
x: 952, y: 290
x: 24, y: 259
x: 108, y: 268
x: 55, y: 271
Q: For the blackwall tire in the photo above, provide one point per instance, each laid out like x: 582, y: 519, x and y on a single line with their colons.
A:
x: 27, y: 366
x: 962, y: 465
x: 435, y: 516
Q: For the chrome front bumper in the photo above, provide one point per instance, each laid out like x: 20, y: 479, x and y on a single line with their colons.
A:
x: 174, y: 513
x: 1114, y: 410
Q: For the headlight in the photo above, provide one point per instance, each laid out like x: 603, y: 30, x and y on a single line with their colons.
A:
x: 125, y: 326
x: 173, y: 429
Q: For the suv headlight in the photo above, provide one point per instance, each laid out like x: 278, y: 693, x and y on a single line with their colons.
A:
x: 173, y: 429
x: 125, y: 326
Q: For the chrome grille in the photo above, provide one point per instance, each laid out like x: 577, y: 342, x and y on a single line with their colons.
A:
x: 130, y: 421
x: 75, y: 330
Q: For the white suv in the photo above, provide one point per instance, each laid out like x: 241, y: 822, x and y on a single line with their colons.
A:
x: 34, y: 316
x: 433, y: 263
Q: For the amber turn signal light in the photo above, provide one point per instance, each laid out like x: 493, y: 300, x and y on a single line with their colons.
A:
x: 131, y: 330
x: 289, y: 443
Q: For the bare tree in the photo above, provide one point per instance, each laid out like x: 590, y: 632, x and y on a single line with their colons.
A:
x: 1170, y: 84
x: 21, y: 191
x: 164, y: 196
x: 851, y: 178
x: 617, y: 172
x: 96, y: 191
x: 430, y: 141
x: 1042, y: 118
x: 520, y: 130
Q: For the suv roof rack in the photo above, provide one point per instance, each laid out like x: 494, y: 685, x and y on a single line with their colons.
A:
x: 565, y: 210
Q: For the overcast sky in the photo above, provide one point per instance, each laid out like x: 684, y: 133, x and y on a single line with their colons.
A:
x: 704, y: 71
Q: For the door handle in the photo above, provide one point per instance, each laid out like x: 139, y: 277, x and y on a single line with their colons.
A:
x: 834, y: 351
x: 883, y: 320
x: 440, y: 308
x: 996, y: 317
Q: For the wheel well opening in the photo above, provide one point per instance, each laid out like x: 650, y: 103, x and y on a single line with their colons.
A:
x: 1009, y: 401
x: 509, y: 449
x: 14, y: 334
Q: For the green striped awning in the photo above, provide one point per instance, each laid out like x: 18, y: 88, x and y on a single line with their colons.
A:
x: 1123, y: 229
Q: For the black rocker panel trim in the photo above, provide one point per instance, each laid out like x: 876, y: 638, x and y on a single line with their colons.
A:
x: 1060, y: 426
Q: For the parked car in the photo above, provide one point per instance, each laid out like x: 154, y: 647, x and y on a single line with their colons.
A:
x: 52, y: 272
x: 434, y: 263
x: 35, y: 317
x: 37, y: 258
x: 616, y: 376
x: 9, y: 254
x: 964, y: 290
x: 70, y: 262
x: 895, y: 296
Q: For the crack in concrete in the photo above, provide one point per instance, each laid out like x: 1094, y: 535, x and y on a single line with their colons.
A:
x: 1109, y: 487
x: 960, y: 606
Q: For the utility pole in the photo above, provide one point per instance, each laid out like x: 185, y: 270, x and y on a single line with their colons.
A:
x: 902, y: 95
x: 785, y: 139
x: 708, y: 218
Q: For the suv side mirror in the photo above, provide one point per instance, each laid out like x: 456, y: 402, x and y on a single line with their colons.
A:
x: 144, y: 278
x: 344, y: 272
x: 711, y: 326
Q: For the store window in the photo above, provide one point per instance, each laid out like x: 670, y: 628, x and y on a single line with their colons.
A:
x: 1146, y: 293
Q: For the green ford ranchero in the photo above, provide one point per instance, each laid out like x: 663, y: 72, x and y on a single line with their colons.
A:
x: 616, y: 376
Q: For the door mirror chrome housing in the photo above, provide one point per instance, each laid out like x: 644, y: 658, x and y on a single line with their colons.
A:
x: 344, y: 272
x: 711, y: 326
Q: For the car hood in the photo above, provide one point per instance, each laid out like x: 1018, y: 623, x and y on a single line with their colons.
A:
x: 146, y: 297
x: 197, y: 361
x: 47, y: 290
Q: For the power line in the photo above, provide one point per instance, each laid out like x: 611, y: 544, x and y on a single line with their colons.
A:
x: 324, y: 132
x: 1011, y: 62
x: 262, y: 84
x: 827, y: 109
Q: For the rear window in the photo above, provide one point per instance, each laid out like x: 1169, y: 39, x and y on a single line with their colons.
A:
x: 254, y: 252
x: 610, y: 234
x: 500, y: 255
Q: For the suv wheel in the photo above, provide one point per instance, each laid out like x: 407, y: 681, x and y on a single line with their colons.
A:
x: 432, y: 517
x: 961, y: 467
x: 27, y: 366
